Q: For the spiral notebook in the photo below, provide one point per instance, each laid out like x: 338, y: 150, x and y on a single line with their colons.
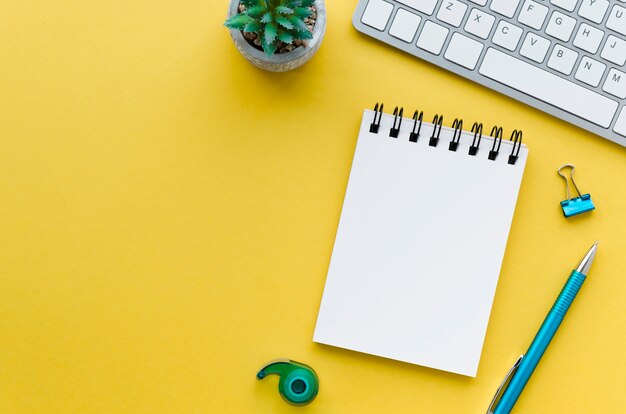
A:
x: 421, y: 239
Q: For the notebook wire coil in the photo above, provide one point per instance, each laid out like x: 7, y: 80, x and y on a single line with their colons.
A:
x: 457, y: 126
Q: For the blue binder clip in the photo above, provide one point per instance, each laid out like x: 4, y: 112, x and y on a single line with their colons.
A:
x: 576, y: 205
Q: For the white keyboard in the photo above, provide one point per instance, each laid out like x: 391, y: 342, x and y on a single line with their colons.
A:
x: 565, y: 57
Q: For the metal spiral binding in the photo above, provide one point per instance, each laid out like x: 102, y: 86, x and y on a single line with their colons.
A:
x: 457, y: 125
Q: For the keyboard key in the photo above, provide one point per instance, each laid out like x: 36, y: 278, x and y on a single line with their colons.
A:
x: 425, y: 6
x: 405, y: 25
x: 617, y: 20
x: 507, y: 35
x: 614, y: 50
x: 505, y: 7
x: 560, y: 26
x: 568, y: 5
x: 615, y: 83
x: 620, y: 125
x: 452, y: 12
x: 479, y: 23
x: 432, y: 38
x: 562, y: 59
x: 588, y: 38
x: 377, y: 14
x: 463, y: 51
x: 590, y: 71
x: 535, y: 47
x: 549, y: 88
x: 481, y: 2
x: 594, y: 10
x: 533, y: 14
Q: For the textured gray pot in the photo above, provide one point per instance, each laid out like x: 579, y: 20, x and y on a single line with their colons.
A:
x: 281, y: 62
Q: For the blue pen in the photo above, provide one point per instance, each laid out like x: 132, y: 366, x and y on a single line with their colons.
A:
x: 520, y: 373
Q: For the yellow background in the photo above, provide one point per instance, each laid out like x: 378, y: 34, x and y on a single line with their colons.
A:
x: 168, y: 213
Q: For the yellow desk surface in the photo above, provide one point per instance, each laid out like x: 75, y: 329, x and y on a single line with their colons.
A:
x: 168, y: 214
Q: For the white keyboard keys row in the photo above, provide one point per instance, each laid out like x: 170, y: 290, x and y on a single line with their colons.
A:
x: 479, y: 23
x: 548, y: 87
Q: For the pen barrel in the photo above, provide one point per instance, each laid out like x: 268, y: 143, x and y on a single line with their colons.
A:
x: 568, y: 294
x: 540, y: 343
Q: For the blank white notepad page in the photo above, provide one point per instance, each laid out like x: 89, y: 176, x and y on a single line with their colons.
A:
x: 419, y: 247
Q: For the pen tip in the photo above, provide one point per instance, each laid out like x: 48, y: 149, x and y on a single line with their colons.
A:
x: 585, y: 263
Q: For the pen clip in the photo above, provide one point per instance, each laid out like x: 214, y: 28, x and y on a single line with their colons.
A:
x: 503, y: 385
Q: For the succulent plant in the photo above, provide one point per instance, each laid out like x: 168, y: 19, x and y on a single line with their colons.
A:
x: 274, y: 21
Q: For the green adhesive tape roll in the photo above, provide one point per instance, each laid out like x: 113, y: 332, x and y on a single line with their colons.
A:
x: 298, y: 384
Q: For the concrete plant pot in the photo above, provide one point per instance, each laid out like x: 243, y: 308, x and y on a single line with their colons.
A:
x: 280, y: 62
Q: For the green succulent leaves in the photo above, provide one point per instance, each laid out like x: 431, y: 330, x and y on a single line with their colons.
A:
x: 274, y: 21
x: 271, y: 32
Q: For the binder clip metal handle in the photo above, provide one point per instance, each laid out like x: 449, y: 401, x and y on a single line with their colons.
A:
x: 574, y: 205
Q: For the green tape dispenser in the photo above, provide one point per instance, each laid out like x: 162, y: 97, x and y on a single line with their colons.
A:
x: 298, y: 384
